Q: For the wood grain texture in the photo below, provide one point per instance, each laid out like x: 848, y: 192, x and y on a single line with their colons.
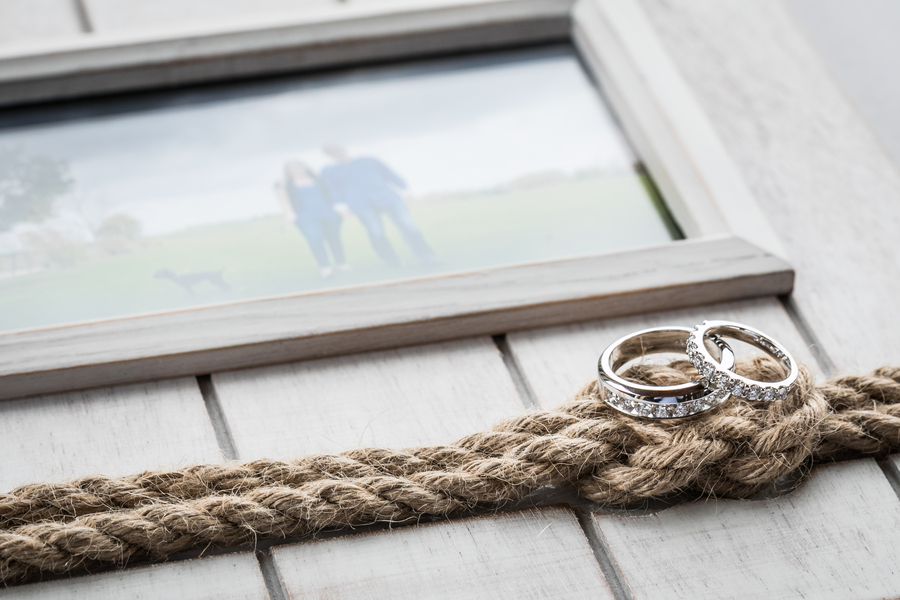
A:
x: 557, y: 361
x: 398, y: 398
x: 113, y: 431
x: 526, y: 554
x: 388, y: 315
x: 231, y: 577
x: 814, y: 165
x: 30, y: 21
x: 835, y: 537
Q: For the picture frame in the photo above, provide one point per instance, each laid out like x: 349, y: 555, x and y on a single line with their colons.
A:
x: 730, y: 252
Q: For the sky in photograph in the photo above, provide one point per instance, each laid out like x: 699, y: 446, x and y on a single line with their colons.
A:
x: 456, y: 125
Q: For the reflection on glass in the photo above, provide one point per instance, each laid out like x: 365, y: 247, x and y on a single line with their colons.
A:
x: 193, y: 198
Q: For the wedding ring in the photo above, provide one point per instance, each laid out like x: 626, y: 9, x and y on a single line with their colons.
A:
x: 658, y: 402
x: 719, y: 374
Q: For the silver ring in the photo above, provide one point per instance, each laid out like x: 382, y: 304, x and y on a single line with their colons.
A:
x: 721, y: 377
x: 657, y: 402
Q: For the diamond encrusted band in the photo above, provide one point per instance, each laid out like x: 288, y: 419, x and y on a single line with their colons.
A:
x: 657, y: 402
x: 718, y: 377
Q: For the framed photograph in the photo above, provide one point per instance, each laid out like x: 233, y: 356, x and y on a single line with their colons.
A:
x: 404, y: 173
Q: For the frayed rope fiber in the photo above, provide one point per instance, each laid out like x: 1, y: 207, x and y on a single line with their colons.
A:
x: 609, y: 458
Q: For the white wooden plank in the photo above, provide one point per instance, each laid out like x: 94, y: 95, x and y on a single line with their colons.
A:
x: 398, y: 398
x: 813, y: 163
x: 526, y: 554
x: 558, y: 361
x: 388, y: 315
x: 29, y: 20
x: 835, y: 537
x: 113, y: 431
x: 230, y: 577
x: 860, y: 42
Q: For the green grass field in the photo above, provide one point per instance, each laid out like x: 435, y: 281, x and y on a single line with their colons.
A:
x: 269, y: 256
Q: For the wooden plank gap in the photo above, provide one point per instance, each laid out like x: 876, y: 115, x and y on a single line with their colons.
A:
x: 891, y: 472
x: 84, y: 17
x: 526, y: 394
x: 809, y: 336
x: 611, y: 572
x: 271, y: 575
x: 217, y: 417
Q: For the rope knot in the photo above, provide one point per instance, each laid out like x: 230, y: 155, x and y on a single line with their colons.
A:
x: 734, y: 452
x: 610, y: 458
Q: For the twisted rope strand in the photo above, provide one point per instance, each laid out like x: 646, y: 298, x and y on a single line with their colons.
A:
x: 607, y: 457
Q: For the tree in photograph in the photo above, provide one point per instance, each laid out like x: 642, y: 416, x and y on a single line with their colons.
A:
x: 53, y: 249
x: 117, y: 234
x: 29, y: 186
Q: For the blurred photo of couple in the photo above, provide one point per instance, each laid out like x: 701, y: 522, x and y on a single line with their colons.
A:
x: 378, y: 176
x: 364, y: 186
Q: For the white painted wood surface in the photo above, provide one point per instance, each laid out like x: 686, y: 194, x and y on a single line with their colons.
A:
x: 37, y: 20
x: 371, y: 317
x: 113, y: 431
x: 835, y: 537
x: 860, y: 43
x: 231, y: 577
x: 556, y: 362
x: 829, y: 188
x: 526, y: 554
x: 397, y: 398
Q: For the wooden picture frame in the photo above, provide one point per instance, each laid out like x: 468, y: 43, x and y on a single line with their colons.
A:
x: 730, y: 251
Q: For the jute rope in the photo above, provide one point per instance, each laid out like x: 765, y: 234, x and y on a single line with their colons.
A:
x: 607, y: 457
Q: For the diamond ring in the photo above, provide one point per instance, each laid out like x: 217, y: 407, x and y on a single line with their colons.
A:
x: 719, y: 375
x: 658, y: 402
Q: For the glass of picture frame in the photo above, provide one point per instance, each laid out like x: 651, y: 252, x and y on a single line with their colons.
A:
x: 240, y: 192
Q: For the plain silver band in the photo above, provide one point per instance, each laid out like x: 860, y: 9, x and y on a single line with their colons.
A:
x: 657, y: 402
x: 719, y: 377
